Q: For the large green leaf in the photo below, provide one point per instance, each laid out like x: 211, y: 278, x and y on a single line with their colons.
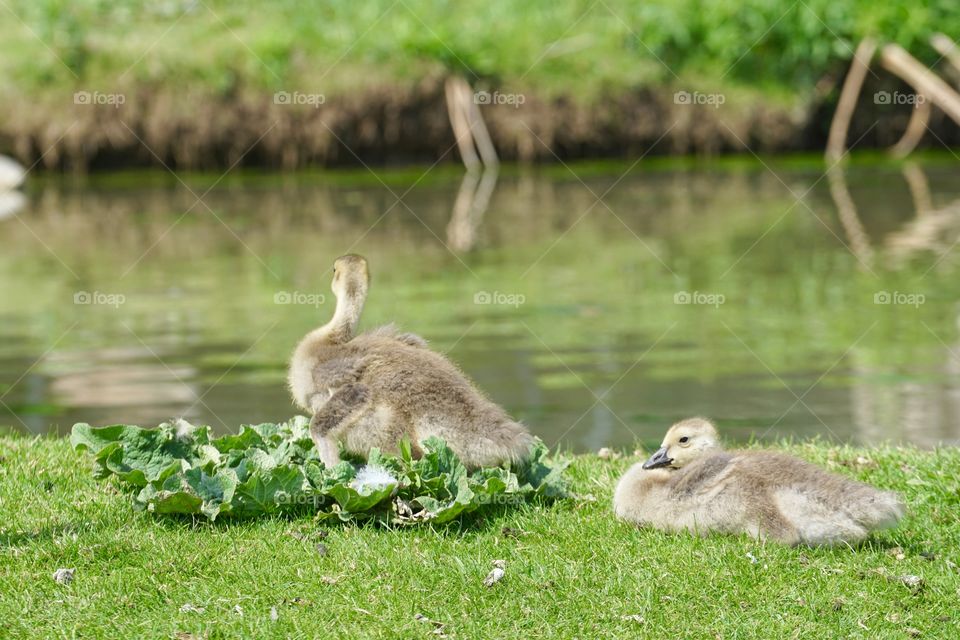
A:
x: 270, y: 491
x: 172, y: 501
x: 216, y: 491
x: 248, y: 437
x: 83, y: 436
x: 353, y: 501
x: 139, y: 456
x: 545, y: 477
x: 442, y: 511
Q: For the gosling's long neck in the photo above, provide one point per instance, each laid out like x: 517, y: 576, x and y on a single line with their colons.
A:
x: 343, y: 325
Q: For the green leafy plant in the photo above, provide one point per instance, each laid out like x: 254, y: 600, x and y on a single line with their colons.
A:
x: 178, y: 468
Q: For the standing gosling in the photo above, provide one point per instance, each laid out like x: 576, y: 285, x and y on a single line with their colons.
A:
x: 376, y: 388
x: 692, y: 484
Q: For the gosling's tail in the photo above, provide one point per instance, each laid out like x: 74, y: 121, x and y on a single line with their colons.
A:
x: 827, y: 519
x: 508, y: 441
x: 494, y: 444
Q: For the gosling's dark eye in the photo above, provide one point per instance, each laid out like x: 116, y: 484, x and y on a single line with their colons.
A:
x: 684, y: 439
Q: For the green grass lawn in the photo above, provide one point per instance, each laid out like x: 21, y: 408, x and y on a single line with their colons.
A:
x: 571, y: 569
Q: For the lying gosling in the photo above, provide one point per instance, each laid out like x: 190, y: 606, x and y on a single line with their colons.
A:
x: 692, y: 484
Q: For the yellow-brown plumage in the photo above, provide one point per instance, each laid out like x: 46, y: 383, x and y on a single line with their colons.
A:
x: 375, y: 388
x: 692, y: 484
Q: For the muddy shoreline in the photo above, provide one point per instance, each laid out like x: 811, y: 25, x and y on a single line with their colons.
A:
x: 193, y: 130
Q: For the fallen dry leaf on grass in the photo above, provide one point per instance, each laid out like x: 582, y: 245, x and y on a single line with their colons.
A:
x: 496, y: 574
x: 438, y: 627
x: 189, y: 608
x: 912, y: 582
x: 63, y: 576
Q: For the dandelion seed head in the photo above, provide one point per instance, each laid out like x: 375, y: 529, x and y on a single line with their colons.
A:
x: 372, y: 478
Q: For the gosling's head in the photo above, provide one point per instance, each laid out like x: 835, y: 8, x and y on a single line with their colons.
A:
x: 350, y: 276
x: 685, y: 442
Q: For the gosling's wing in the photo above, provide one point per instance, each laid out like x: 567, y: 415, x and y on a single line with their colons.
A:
x: 824, y: 507
x: 338, y: 371
x: 708, y: 495
x: 704, y: 476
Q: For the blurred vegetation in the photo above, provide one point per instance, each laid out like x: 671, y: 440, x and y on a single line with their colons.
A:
x: 779, y: 46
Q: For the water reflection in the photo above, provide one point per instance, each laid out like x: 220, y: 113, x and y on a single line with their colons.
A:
x: 933, y: 230
x: 471, y: 204
x: 598, y: 353
x: 914, y: 412
x: 112, y: 378
x: 857, y: 237
x: 11, y: 202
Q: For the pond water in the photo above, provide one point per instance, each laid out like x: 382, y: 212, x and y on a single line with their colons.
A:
x: 597, y: 303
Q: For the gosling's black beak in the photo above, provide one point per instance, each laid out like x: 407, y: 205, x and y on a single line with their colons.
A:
x: 659, y: 459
